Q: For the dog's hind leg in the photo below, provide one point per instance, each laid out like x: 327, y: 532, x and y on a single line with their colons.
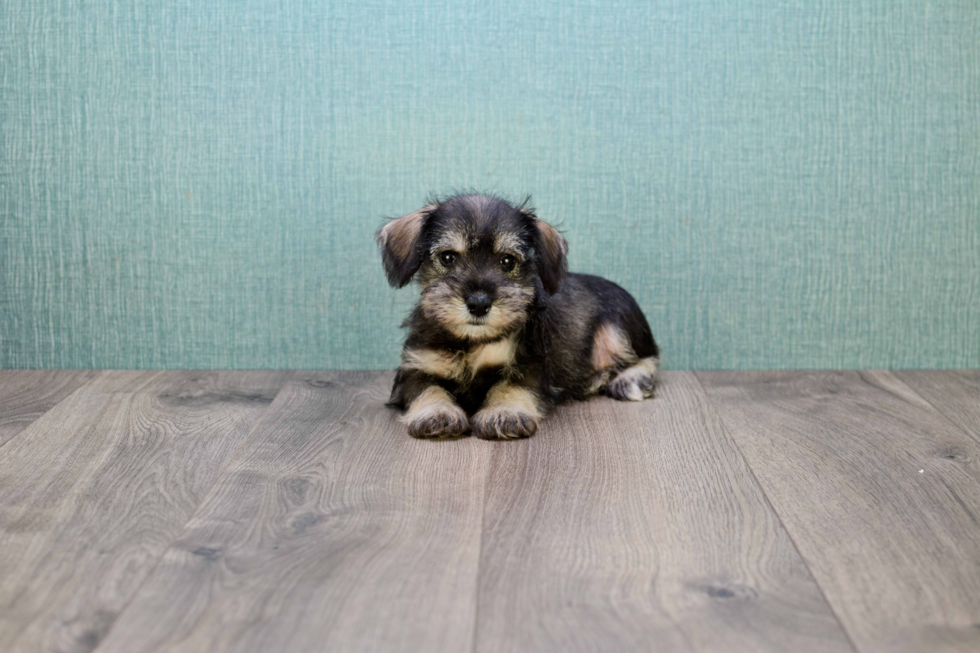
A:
x: 617, y: 368
x: 636, y: 382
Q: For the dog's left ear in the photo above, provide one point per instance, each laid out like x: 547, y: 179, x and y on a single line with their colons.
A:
x: 551, y: 249
x: 399, y: 243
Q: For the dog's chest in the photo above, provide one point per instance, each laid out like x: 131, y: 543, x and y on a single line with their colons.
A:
x: 462, y: 366
x: 499, y: 353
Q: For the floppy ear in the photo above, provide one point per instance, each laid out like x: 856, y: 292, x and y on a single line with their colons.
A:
x: 399, y: 244
x: 551, y: 248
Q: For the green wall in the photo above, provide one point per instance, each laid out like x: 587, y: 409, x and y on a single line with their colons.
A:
x: 196, y: 184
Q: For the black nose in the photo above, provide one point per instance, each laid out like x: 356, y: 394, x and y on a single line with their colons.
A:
x: 478, y: 303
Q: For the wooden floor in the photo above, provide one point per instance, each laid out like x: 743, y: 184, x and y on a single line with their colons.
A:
x: 289, y: 511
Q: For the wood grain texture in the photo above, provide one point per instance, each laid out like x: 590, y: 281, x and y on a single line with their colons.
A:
x: 624, y: 527
x: 25, y: 395
x: 954, y: 393
x: 92, y: 493
x: 895, y: 549
x: 333, y: 530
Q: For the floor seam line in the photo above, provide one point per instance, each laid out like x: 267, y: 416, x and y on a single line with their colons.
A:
x: 71, y: 394
x: 942, y: 413
x: 779, y: 518
x: 197, y: 509
x: 479, y: 557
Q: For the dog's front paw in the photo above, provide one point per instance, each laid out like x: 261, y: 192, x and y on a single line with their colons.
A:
x: 434, y: 414
x: 437, y: 422
x: 503, y: 422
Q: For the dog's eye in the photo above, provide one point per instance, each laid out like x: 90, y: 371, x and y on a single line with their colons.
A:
x: 507, y: 262
x: 447, y: 258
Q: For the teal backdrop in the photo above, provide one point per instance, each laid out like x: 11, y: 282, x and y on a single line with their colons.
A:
x: 781, y: 184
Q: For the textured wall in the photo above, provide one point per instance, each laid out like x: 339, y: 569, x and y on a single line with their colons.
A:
x: 781, y: 184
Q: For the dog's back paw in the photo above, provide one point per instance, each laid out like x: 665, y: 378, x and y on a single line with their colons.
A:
x: 635, y: 383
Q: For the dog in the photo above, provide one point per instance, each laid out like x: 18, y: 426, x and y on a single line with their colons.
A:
x: 502, y: 331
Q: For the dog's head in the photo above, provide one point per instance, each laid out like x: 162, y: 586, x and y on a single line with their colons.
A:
x: 479, y: 260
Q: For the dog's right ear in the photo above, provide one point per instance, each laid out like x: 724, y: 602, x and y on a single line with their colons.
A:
x: 399, y: 243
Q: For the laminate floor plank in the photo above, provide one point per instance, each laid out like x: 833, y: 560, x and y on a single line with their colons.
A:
x: 954, y: 393
x: 25, y: 395
x: 93, y: 491
x: 880, y: 492
x: 638, y: 527
x: 332, y: 530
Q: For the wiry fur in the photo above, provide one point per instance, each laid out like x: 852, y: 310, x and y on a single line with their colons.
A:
x: 548, y: 336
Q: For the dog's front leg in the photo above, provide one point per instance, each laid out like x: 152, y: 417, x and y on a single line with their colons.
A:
x: 432, y: 412
x: 510, y: 410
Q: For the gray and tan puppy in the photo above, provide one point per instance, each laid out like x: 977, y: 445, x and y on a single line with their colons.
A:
x: 502, y: 331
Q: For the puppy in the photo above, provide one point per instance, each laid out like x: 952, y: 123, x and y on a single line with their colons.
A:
x: 502, y: 332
